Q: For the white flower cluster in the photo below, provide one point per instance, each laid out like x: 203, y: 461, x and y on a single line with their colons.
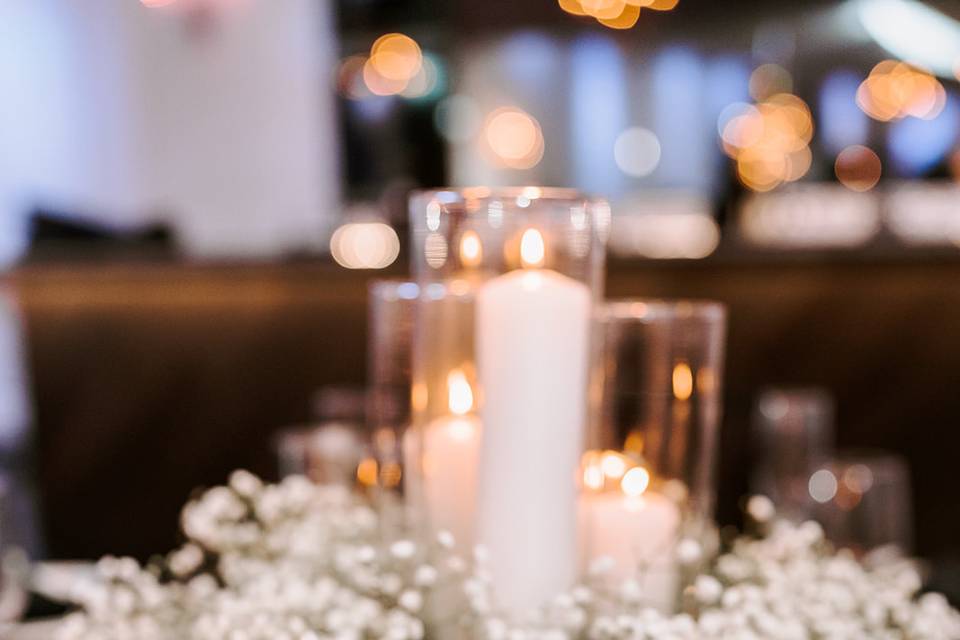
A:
x: 790, y: 585
x: 296, y: 561
x: 292, y: 561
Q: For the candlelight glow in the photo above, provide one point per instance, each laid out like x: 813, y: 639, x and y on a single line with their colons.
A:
x: 593, y: 477
x: 682, y: 381
x: 459, y: 393
x: 391, y: 474
x: 613, y: 464
x: 635, y: 482
x: 367, y: 472
x: 471, y: 250
x: 532, y: 251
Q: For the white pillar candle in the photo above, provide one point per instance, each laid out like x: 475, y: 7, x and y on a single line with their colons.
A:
x: 637, y: 533
x: 533, y: 329
x: 448, y: 457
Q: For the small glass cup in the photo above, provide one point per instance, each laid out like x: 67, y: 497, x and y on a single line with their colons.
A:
x: 391, y: 321
x: 863, y: 500
x: 648, y: 476
x: 794, y: 431
x: 329, y: 450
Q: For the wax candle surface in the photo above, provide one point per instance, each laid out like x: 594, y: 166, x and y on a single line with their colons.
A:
x: 451, y: 449
x: 638, y: 534
x: 532, y: 347
x: 447, y: 456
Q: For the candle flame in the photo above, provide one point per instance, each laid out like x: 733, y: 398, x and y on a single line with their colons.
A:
x: 635, y: 482
x: 614, y: 464
x: 682, y: 381
x: 460, y: 396
x: 531, y: 249
x: 471, y: 251
x: 593, y: 477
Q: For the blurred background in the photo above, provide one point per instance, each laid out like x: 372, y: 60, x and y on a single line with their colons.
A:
x: 195, y: 194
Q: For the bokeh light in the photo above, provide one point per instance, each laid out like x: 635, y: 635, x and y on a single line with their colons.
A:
x: 895, y: 90
x: 513, y: 138
x: 365, y: 245
x: 395, y: 56
x: 769, y: 140
x: 395, y: 62
x: 637, y: 151
x: 822, y: 486
x: 471, y: 249
x: 635, y: 482
x: 858, y: 168
x: 615, y: 14
x: 153, y: 4
x: 660, y: 5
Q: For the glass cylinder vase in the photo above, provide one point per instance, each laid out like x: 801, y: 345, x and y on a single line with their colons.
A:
x: 502, y: 350
x: 648, y: 475
x: 390, y: 325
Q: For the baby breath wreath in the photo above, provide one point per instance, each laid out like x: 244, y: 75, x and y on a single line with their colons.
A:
x: 296, y: 561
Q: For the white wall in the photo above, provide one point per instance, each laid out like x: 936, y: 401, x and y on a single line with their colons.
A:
x: 226, y: 124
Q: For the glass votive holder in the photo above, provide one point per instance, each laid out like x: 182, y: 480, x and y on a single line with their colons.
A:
x: 329, y: 449
x: 794, y: 435
x: 647, y: 479
x: 502, y: 349
x: 391, y: 316
x: 863, y: 501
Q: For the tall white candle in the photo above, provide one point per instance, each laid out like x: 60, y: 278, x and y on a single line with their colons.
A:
x: 450, y: 450
x: 533, y: 328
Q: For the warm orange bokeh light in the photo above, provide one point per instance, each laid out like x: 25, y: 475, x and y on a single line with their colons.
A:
x: 615, y: 14
x: 627, y: 18
x: 395, y: 61
x: 769, y: 140
x: 858, y: 168
x: 514, y: 138
x: 396, y: 57
x: 895, y: 90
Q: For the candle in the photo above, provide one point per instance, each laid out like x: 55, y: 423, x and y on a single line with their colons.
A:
x: 450, y: 452
x: 636, y: 529
x: 533, y: 328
